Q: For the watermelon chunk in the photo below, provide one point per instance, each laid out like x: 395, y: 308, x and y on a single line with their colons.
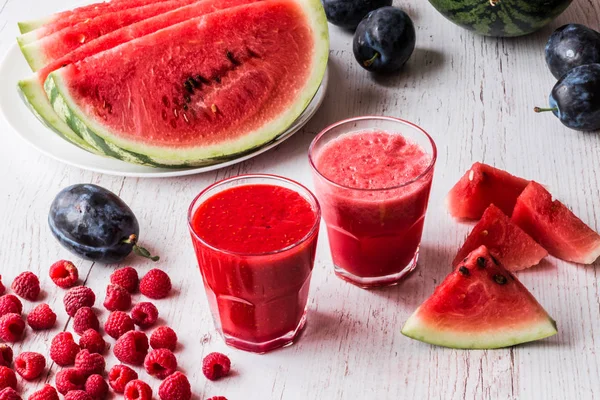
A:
x: 220, y: 85
x: 52, y: 47
x: 481, y: 186
x: 555, y: 227
x: 515, y: 249
x: 480, y: 305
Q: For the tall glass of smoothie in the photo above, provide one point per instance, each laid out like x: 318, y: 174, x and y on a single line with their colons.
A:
x: 372, y: 177
x: 255, y: 238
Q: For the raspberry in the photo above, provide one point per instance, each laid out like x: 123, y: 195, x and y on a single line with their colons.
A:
x: 6, y: 355
x: 90, y: 363
x: 156, y: 284
x: 119, y: 376
x: 69, y: 379
x: 2, y: 288
x: 85, y: 319
x: 126, y: 278
x: 215, y: 366
x: 63, y: 349
x: 41, y: 317
x: 9, y: 303
x: 64, y: 274
x: 9, y: 394
x: 218, y: 398
x: 27, y: 285
x: 30, y: 365
x: 144, y: 315
x: 96, y: 387
x: 160, y: 363
x: 131, y: 348
x: 77, y: 297
x: 7, y: 378
x: 11, y: 327
x: 175, y: 387
x: 92, y: 341
x: 137, y: 390
x: 163, y: 338
x: 45, y: 393
x: 117, y: 298
x: 117, y: 324
x: 77, y: 395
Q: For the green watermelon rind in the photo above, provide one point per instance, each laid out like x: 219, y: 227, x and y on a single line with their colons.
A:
x: 28, y: 26
x: 34, y: 55
x: 66, y: 108
x: 27, y: 38
x: 419, y: 330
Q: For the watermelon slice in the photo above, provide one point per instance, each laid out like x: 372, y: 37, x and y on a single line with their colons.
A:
x: 48, y: 25
x: 515, y: 249
x: 52, y: 47
x: 555, y: 227
x: 32, y: 89
x: 481, y: 186
x: 199, y: 91
x: 480, y: 305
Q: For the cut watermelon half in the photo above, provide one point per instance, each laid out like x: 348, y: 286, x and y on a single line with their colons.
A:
x: 555, y: 227
x: 53, y: 23
x: 480, y: 305
x: 515, y: 249
x: 481, y: 186
x: 58, y: 44
x: 200, y: 91
x: 33, y: 92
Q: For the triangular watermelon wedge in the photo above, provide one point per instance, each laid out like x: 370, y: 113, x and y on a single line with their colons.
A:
x: 555, y: 227
x: 515, y: 249
x: 200, y: 91
x: 480, y: 305
x: 481, y: 186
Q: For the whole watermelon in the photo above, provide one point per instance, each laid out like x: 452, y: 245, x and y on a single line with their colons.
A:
x: 501, y: 17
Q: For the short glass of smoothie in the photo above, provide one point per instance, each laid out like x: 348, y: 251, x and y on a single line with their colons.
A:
x: 372, y: 177
x: 255, y: 238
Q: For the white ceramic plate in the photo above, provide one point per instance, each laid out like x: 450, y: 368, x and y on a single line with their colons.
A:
x: 14, y: 68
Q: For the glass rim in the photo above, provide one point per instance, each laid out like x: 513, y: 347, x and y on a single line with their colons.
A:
x: 366, y: 118
x: 305, y: 238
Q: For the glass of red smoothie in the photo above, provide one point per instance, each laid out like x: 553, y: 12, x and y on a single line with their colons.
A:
x: 372, y: 177
x: 255, y: 238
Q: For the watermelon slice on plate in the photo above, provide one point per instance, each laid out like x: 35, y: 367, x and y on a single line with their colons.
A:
x: 555, y: 227
x: 200, y: 91
x: 515, y: 249
x: 481, y: 186
x: 480, y: 305
x: 52, y: 47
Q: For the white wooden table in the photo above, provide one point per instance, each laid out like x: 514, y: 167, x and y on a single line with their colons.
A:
x: 475, y: 96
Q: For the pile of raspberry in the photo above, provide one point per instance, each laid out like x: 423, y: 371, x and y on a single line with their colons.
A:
x: 83, y: 373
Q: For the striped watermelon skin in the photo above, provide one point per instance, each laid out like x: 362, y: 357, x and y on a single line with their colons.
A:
x: 501, y: 18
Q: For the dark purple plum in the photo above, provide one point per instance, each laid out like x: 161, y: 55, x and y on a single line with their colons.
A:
x: 348, y: 13
x: 575, y: 99
x: 384, y: 40
x: 570, y: 46
x: 95, y: 224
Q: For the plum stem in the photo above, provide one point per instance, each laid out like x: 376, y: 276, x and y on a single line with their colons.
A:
x: 139, y: 250
x: 371, y: 60
x: 541, y: 110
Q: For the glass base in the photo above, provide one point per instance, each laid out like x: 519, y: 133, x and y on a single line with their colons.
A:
x: 264, y: 347
x: 377, y: 281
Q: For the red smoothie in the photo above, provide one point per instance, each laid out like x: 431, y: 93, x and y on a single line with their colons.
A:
x: 375, y: 208
x: 256, y: 245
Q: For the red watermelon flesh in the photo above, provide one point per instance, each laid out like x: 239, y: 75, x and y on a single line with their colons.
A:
x: 481, y: 186
x: 480, y: 305
x: 58, y: 44
x: 515, y: 249
x: 195, y: 90
x: 555, y: 227
x: 138, y: 30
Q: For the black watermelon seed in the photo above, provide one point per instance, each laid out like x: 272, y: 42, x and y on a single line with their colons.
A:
x: 495, y: 261
x: 231, y: 58
x: 218, y: 79
x: 464, y: 270
x: 500, y: 279
x: 185, y: 107
x: 203, y: 80
x: 481, y: 262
